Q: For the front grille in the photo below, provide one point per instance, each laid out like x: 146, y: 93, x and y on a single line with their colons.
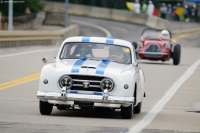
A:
x: 153, y: 51
x: 153, y: 48
x: 94, y: 82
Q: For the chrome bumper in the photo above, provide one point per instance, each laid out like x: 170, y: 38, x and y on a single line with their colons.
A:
x: 153, y: 53
x: 99, y: 99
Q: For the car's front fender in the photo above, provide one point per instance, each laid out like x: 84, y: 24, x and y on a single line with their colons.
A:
x: 49, y: 74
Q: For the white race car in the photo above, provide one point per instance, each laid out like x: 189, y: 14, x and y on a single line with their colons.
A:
x: 92, y: 72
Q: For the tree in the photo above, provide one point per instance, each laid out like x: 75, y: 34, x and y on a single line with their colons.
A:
x: 19, y: 7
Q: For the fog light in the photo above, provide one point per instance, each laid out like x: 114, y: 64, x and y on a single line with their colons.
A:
x: 107, y: 84
x: 66, y: 81
x: 45, y: 81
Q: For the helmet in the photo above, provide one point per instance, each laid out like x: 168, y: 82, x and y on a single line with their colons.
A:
x: 165, y: 34
x: 82, y: 50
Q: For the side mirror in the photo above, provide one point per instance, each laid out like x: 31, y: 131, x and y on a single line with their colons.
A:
x: 44, y: 60
x: 135, y: 45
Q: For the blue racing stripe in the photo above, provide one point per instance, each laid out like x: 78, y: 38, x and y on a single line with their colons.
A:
x: 86, y: 39
x: 109, y: 41
x: 77, y: 65
x: 102, y: 66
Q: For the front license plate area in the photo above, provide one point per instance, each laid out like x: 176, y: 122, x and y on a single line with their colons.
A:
x: 84, y: 103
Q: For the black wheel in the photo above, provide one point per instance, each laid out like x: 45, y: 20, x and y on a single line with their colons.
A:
x: 127, y: 112
x: 45, y: 108
x: 177, y: 54
x: 138, y: 108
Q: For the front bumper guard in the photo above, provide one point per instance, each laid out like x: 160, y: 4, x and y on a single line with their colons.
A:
x: 69, y: 96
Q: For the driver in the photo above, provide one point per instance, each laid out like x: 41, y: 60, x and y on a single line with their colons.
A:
x: 165, y: 35
x: 116, y: 53
x: 82, y: 51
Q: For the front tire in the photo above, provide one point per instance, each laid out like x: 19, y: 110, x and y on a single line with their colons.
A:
x: 127, y: 112
x: 177, y: 54
x: 138, y: 108
x: 45, y: 108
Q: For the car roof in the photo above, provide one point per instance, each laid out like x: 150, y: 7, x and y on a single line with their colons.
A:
x: 105, y: 40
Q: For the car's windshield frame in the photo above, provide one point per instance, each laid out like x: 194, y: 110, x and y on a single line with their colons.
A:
x: 156, y: 34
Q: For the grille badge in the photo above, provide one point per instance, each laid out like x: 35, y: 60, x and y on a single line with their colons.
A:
x: 86, y: 84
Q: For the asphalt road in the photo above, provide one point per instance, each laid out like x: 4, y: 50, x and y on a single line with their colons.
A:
x: 171, y: 106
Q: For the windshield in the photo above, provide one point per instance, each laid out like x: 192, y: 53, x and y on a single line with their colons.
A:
x: 151, y: 34
x: 96, y: 51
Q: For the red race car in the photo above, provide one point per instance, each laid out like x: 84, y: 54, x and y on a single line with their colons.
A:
x: 157, y: 45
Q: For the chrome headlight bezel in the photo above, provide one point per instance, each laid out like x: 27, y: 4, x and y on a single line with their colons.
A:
x: 108, y: 84
x: 62, y: 82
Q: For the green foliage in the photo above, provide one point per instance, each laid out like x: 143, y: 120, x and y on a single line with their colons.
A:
x: 57, y: 0
x: 117, y: 4
x: 19, y: 6
x: 34, y: 5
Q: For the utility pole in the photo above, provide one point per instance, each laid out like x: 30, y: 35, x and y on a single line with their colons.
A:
x: 0, y: 20
x: 66, y: 13
x: 10, y: 16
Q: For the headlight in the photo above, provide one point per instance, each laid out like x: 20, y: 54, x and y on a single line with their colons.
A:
x: 107, y: 83
x: 65, y: 81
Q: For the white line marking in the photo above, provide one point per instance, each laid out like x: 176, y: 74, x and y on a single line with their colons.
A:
x: 28, y: 52
x: 108, y: 34
x: 160, y: 104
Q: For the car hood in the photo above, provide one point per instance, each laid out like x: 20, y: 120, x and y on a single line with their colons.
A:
x: 90, y: 67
